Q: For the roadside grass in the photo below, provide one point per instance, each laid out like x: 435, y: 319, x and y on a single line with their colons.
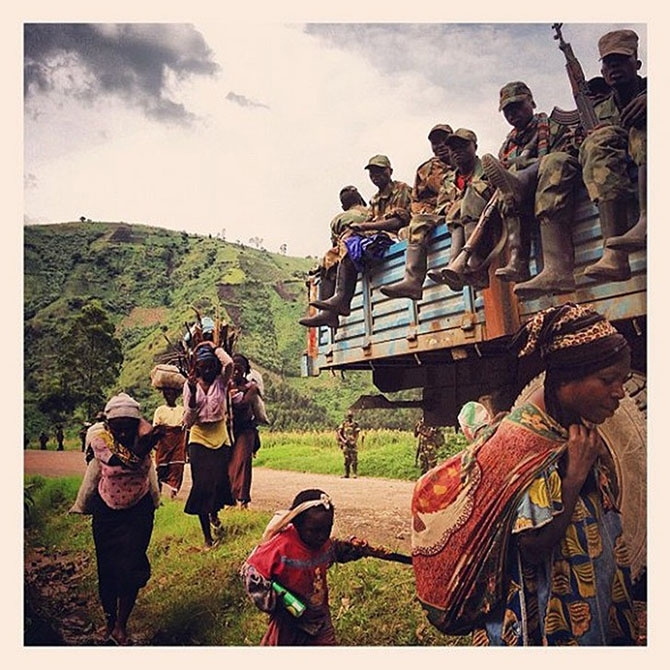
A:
x: 382, y: 453
x: 196, y: 597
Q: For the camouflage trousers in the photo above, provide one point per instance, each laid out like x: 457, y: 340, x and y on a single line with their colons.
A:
x: 350, y: 460
x: 427, y: 456
x: 558, y: 174
x: 605, y: 155
x: 420, y: 228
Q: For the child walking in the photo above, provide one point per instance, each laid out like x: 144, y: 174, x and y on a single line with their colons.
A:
x: 295, y: 553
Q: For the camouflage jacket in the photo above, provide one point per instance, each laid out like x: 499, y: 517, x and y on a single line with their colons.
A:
x: 427, y: 184
x: 393, y: 201
x: 340, y: 223
x: 478, y: 192
x: 347, y: 433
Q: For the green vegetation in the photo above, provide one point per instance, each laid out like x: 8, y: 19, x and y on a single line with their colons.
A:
x: 383, y: 453
x: 196, y: 598
x: 148, y: 281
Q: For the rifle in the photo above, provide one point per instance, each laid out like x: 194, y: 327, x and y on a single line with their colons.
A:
x: 580, y: 87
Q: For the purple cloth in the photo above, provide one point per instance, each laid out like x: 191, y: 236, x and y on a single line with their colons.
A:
x: 365, y: 249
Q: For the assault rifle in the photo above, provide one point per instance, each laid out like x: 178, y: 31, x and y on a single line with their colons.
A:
x: 580, y: 87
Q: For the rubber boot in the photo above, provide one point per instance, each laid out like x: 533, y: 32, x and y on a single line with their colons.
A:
x: 443, y: 276
x: 345, y: 286
x: 473, y: 274
x: 411, y: 286
x: 519, y: 185
x: 558, y: 256
x: 613, y: 265
x: 323, y: 318
x: 518, y: 246
x: 636, y: 237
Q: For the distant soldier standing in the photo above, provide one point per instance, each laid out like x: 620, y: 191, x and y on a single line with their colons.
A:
x: 430, y: 440
x: 347, y: 438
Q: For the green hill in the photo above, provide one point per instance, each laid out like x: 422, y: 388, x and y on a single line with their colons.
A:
x: 149, y: 281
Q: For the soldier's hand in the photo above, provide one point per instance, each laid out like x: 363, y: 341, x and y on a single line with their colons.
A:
x: 634, y: 114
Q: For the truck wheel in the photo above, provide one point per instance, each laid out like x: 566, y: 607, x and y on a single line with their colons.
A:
x: 625, y: 435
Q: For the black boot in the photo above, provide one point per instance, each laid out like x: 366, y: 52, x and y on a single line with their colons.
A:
x: 613, y: 265
x: 323, y: 318
x: 411, y: 286
x: 445, y: 276
x: 558, y: 258
x: 345, y: 286
x: 636, y: 237
x: 519, y: 185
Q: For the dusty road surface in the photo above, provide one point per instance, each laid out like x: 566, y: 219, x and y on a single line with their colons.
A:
x: 377, y: 510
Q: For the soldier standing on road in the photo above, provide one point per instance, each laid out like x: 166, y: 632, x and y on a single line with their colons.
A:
x: 44, y: 438
x: 347, y: 438
x: 59, y: 437
x: 430, y: 440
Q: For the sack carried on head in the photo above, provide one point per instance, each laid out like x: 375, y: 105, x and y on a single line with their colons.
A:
x: 167, y: 376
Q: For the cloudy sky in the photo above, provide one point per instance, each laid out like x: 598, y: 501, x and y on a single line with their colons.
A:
x: 249, y: 127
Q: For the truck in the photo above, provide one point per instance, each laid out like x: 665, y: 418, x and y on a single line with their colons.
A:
x: 454, y: 347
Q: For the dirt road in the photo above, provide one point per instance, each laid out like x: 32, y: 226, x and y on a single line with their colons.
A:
x: 377, y: 510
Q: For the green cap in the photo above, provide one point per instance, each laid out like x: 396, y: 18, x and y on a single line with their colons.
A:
x: 379, y: 161
x: 618, y: 42
x: 440, y: 128
x: 462, y: 134
x: 513, y: 92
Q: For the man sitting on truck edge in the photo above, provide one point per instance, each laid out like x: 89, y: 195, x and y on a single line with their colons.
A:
x: 609, y: 152
x: 354, y: 210
x: 463, y: 196
x: 535, y: 173
x: 367, y: 241
x: 427, y: 183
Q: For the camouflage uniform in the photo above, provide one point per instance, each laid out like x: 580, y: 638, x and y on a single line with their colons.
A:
x: 430, y: 440
x: 427, y: 184
x: 347, y: 437
x: 339, y: 229
x: 463, y: 206
x: 607, y: 153
x: 394, y: 201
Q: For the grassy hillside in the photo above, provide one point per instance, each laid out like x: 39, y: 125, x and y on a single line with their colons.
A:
x: 150, y: 280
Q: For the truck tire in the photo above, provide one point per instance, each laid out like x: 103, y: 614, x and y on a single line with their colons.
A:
x: 625, y: 435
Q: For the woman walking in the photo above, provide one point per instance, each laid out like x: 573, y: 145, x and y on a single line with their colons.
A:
x: 123, y: 510
x: 518, y: 539
x: 245, y: 432
x: 206, y: 417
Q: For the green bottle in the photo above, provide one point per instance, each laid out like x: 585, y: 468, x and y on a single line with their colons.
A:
x: 291, y: 603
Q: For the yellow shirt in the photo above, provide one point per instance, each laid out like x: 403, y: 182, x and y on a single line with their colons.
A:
x: 212, y: 434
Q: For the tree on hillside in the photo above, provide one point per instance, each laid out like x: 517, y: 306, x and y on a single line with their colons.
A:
x: 91, y: 355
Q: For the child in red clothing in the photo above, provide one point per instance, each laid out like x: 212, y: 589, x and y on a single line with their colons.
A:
x: 296, y: 551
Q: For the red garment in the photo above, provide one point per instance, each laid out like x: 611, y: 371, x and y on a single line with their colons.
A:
x: 301, y: 570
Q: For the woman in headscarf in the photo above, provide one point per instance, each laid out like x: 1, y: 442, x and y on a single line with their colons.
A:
x: 518, y: 538
x: 206, y: 416
x: 245, y: 431
x: 123, y: 510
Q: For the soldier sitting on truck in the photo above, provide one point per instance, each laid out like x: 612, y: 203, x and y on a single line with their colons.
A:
x: 536, y: 173
x: 427, y: 183
x: 608, y: 153
x: 463, y: 196
x: 355, y: 210
x: 366, y: 242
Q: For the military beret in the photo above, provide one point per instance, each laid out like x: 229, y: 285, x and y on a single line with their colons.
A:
x: 513, y: 92
x: 618, y: 42
x: 379, y: 161
x: 440, y: 128
x: 462, y: 134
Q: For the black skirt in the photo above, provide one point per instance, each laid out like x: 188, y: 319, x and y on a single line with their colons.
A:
x: 210, y: 490
x: 121, y: 540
